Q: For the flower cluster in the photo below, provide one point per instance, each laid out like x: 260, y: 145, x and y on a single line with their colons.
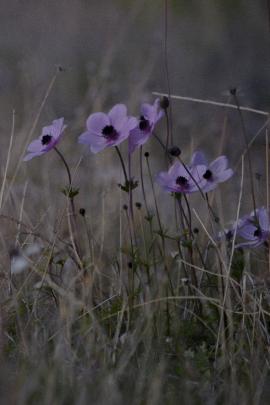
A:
x: 150, y: 115
x: 106, y: 130
x: 103, y: 130
x: 254, y: 228
x: 198, y: 176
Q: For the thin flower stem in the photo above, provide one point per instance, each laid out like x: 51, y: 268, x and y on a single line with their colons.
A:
x: 160, y: 142
x: 65, y: 164
x: 159, y: 223
x: 131, y: 277
x: 154, y: 194
x: 248, y: 152
x: 189, y: 214
x: 73, y: 210
x: 122, y: 163
x: 183, y: 217
x: 166, y: 66
x: 130, y: 192
x: 69, y: 178
x: 142, y: 182
x: 146, y: 206
x: 168, y: 132
x: 188, y: 224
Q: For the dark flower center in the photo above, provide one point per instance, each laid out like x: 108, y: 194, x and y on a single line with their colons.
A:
x: 229, y: 235
x: 208, y: 175
x: 109, y: 132
x: 46, y: 139
x: 181, y: 181
x: 144, y: 123
x: 257, y: 233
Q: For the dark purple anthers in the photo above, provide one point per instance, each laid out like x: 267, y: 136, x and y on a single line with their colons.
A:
x: 107, y: 130
x: 110, y: 133
x: 144, y: 124
x: 46, y: 139
x: 216, y: 172
x: 181, y: 181
x: 208, y: 175
x: 257, y: 233
x: 254, y: 228
x: 229, y: 235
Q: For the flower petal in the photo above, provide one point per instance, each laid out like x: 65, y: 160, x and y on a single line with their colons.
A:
x: 132, y: 123
x: 148, y: 112
x: 137, y: 138
x: 96, y: 122
x: 117, y: 114
x: 247, y: 232
x: 31, y: 155
x: 57, y: 127
x: 219, y: 165
x: 263, y: 216
x: 95, y: 142
x: 198, y: 158
x: 35, y: 146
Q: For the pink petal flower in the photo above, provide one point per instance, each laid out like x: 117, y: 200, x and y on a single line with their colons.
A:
x: 105, y: 130
x: 49, y: 138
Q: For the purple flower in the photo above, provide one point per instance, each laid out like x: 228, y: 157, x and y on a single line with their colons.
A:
x: 49, y: 138
x: 216, y: 172
x: 254, y: 228
x: 104, y: 130
x: 150, y: 115
x: 181, y: 180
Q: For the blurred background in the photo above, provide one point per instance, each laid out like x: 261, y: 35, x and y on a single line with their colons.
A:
x: 113, y: 51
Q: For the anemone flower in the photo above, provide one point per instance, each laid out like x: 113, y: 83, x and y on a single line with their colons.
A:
x: 254, y: 228
x: 105, y: 130
x: 150, y: 115
x: 49, y: 138
x: 179, y: 179
x: 216, y: 172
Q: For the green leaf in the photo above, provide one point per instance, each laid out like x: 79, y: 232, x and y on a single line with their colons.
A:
x: 70, y: 192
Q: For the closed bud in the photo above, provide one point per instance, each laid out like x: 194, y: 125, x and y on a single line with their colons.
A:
x: 164, y: 103
x: 82, y: 212
x: 175, y: 151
